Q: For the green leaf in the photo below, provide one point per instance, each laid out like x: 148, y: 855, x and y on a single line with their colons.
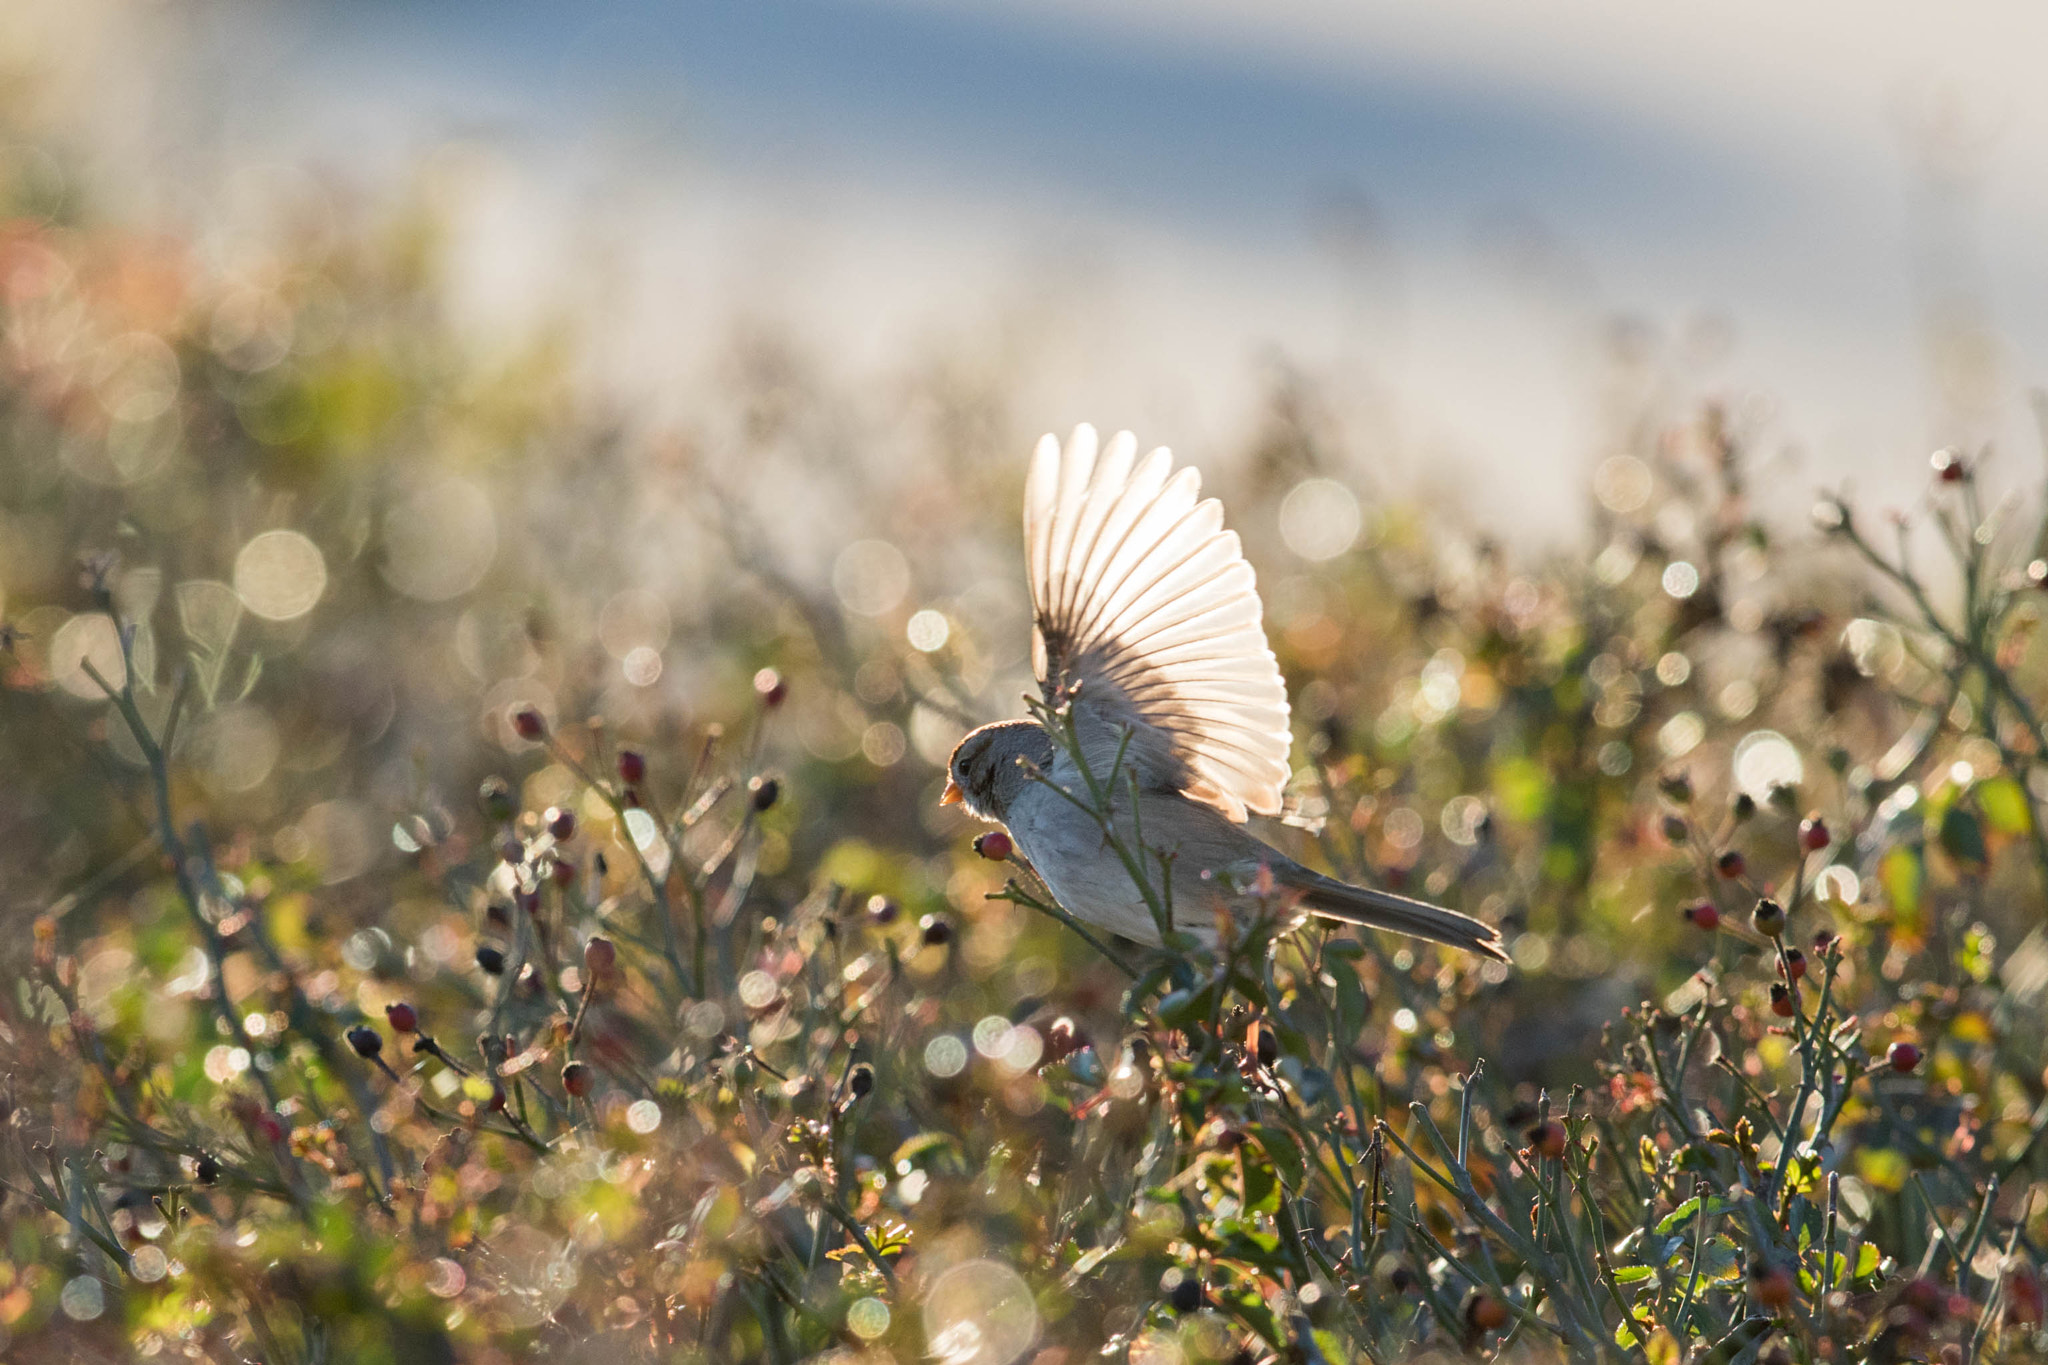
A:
x: 1682, y: 1215
x: 1283, y: 1151
x: 1634, y: 1274
x: 2004, y: 804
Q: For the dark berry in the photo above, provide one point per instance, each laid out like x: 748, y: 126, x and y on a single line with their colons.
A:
x: 366, y: 1041
x: 578, y: 1079
x: 1731, y: 864
x: 402, y: 1017
x: 938, y: 930
x: 860, y: 1082
x: 1903, y: 1056
x: 1813, y: 834
x: 1675, y: 830
x: 1781, y: 1000
x: 600, y: 955
x: 561, y: 822
x: 491, y: 959
x: 762, y: 792
x: 1743, y: 807
x: 770, y: 688
x: 1949, y: 466
x: 881, y: 910
x: 632, y: 767
x: 1186, y: 1294
x: 496, y: 798
x: 1676, y: 786
x: 1262, y: 1042
x: 207, y: 1169
x: 1792, y: 966
x: 529, y: 724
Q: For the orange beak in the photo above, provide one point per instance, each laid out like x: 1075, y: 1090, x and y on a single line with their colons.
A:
x: 952, y: 795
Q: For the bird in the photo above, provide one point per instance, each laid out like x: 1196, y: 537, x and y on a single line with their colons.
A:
x: 1149, y: 646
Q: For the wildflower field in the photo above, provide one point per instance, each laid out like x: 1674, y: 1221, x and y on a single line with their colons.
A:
x: 474, y: 886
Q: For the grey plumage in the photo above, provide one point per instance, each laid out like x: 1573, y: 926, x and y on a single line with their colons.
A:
x: 1148, y: 629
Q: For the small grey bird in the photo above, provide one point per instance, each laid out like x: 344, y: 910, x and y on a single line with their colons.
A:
x: 1148, y: 628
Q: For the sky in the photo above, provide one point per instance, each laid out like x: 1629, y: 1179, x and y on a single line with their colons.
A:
x: 1438, y: 211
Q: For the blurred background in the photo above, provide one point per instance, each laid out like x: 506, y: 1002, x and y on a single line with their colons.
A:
x: 1465, y: 226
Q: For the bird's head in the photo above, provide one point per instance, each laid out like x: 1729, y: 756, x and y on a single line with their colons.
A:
x: 984, y: 773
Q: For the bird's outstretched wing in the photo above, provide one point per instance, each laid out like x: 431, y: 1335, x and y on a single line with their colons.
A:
x: 1148, y: 619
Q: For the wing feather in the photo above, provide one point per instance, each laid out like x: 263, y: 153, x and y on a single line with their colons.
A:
x: 1148, y: 618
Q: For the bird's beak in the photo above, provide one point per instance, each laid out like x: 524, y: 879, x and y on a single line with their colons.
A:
x: 952, y: 795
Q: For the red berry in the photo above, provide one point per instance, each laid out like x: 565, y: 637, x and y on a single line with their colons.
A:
x: 632, y: 767
x: 1792, y: 965
x: 1547, y: 1139
x: 529, y: 724
x: 270, y: 1128
x: 1731, y: 864
x: 600, y: 955
x: 1704, y: 915
x: 1781, y: 1000
x: 1949, y: 466
x: 1772, y: 1285
x: 1485, y: 1313
x: 1813, y: 834
x: 402, y: 1017
x: 993, y: 845
x: 770, y: 688
x: 498, y: 1099
x: 1903, y: 1056
x: 561, y: 823
x: 578, y: 1079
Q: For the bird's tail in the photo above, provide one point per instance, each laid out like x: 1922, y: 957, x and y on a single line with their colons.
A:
x: 1337, y: 900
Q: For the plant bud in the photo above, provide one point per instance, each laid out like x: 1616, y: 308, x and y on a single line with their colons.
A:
x: 402, y: 1017
x: 1743, y: 807
x: 632, y: 767
x: 561, y: 823
x: 1675, y: 830
x: 578, y: 1079
x: 1768, y: 918
x: 993, y: 845
x: 495, y: 797
x: 492, y: 960
x: 1676, y: 786
x: 770, y: 688
x: 529, y: 724
x: 762, y: 792
x: 366, y: 1041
